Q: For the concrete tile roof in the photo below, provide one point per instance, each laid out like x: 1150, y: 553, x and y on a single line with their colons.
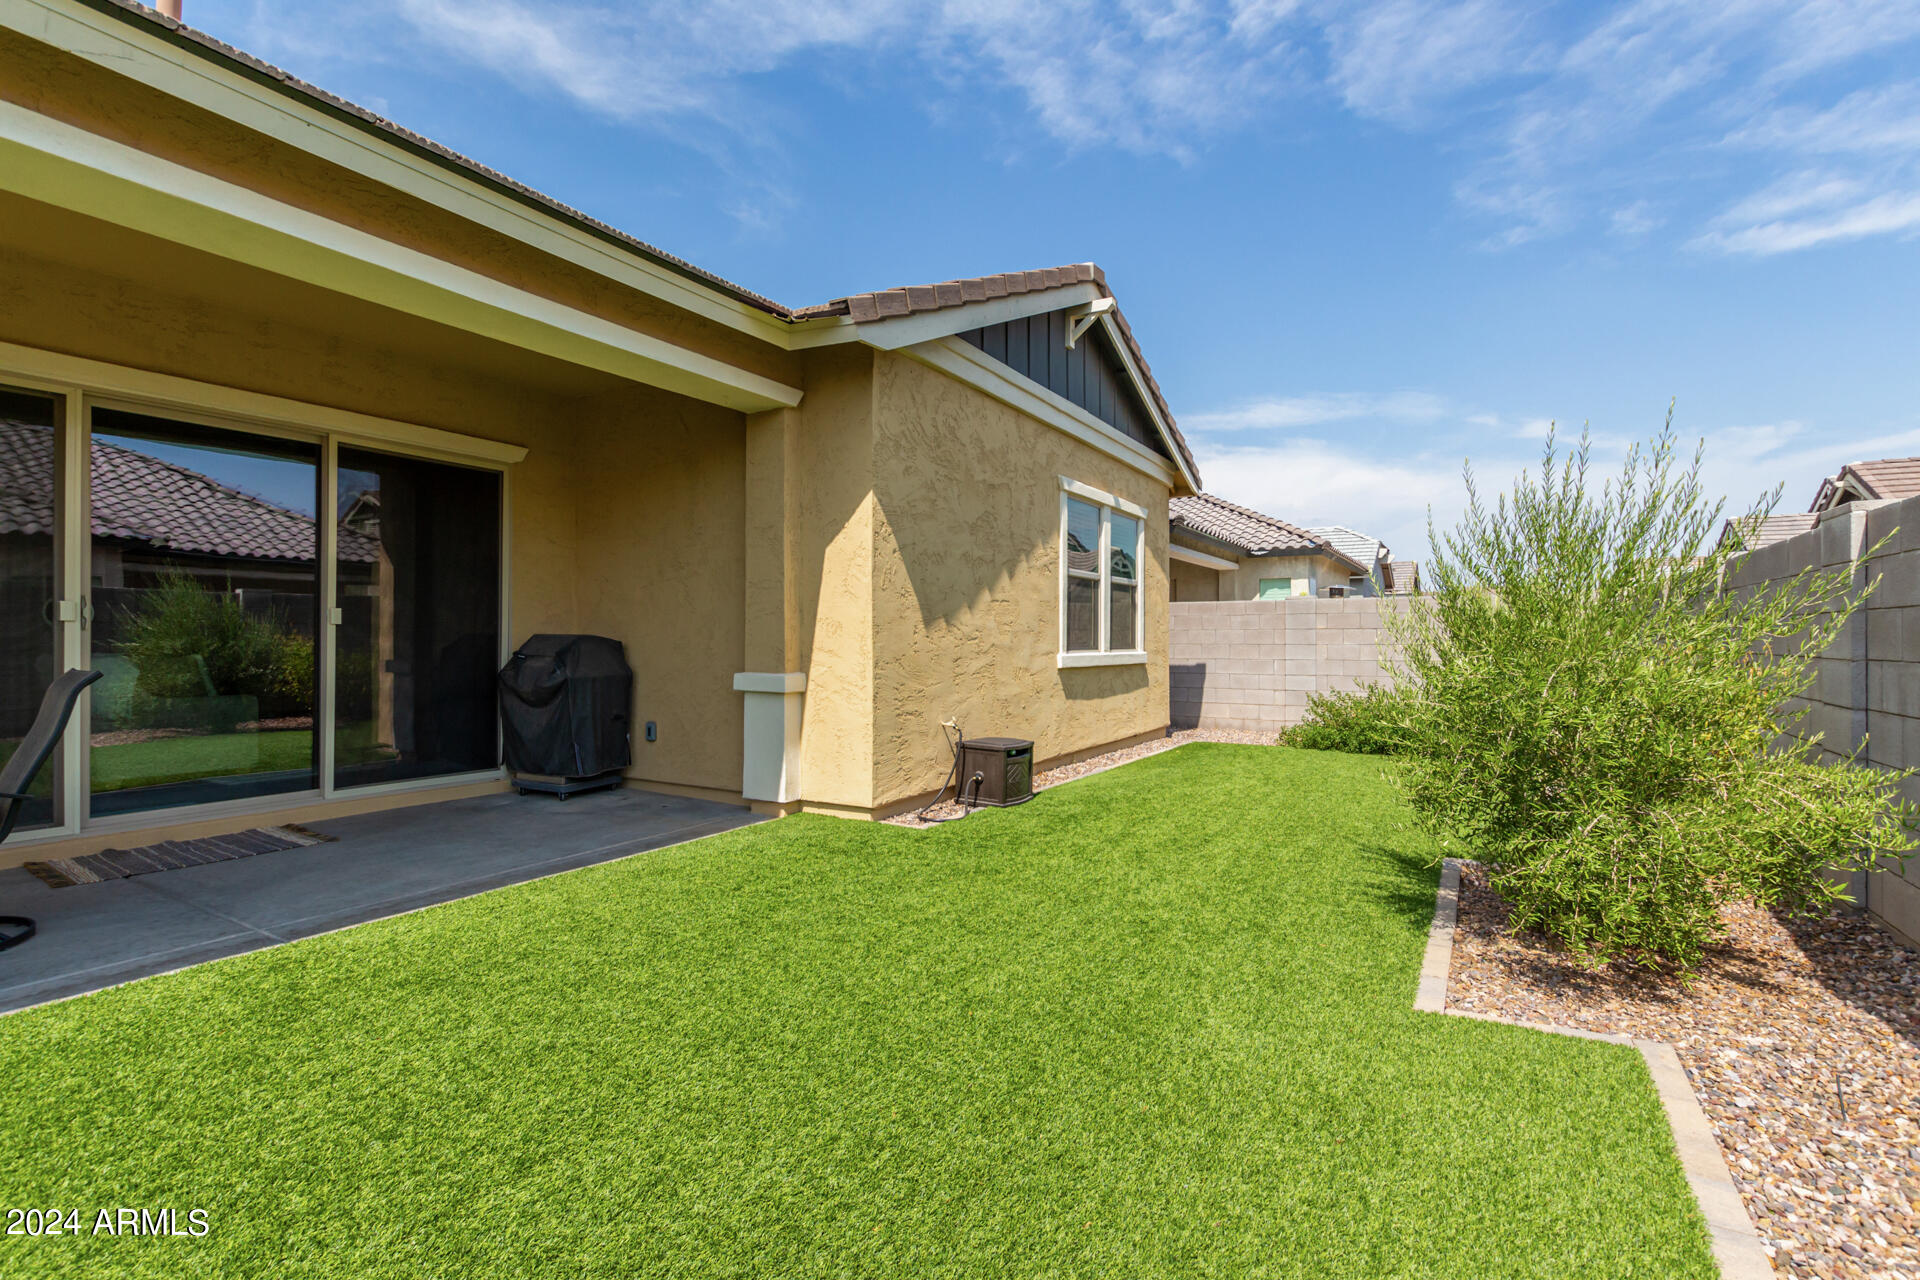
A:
x: 1884, y: 478
x: 140, y: 499
x: 1769, y: 531
x: 1353, y: 544
x: 1403, y: 577
x: 1251, y: 531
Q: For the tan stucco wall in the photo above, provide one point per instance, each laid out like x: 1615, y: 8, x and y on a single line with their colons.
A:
x: 833, y: 521
x: 966, y: 582
x: 1244, y: 583
x: 77, y: 92
x: 1193, y: 581
x: 658, y: 535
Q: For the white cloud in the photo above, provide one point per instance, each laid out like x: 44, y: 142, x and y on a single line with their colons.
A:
x: 1385, y: 486
x: 1310, y: 481
x: 1552, y: 117
x: 1398, y: 59
x: 1869, y: 120
x: 1291, y: 412
x: 1633, y: 221
x: 1890, y: 213
x: 1147, y: 75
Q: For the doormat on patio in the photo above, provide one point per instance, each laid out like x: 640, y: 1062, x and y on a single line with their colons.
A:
x: 118, y: 864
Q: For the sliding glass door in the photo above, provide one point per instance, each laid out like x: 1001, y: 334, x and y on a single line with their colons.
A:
x: 417, y: 568
x: 206, y: 596
x: 276, y: 614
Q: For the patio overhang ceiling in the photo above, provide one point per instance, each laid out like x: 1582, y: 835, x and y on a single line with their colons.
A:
x: 70, y: 168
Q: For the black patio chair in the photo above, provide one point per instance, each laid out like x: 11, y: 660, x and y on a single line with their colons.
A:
x: 16, y: 779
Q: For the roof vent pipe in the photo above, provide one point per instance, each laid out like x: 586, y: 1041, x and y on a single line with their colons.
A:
x: 170, y: 8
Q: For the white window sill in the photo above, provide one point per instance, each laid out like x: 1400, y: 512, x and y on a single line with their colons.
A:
x: 1118, y: 658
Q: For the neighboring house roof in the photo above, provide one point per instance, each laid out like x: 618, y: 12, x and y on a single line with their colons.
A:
x: 1769, y: 531
x: 1248, y: 530
x: 861, y: 308
x: 137, y: 498
x: 1353, y: 544
x: 1403, y: 577
x: 1885, y: 478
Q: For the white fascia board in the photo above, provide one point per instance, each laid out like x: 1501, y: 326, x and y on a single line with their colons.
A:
x: 1191, y: 556
x: 58, y: 164
x: 962, y: 360
x: 147, y: 58
x: 1139, y: 380
x: 925, y: 326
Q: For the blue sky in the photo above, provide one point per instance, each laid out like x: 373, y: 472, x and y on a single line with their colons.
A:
x: 1358, y: 241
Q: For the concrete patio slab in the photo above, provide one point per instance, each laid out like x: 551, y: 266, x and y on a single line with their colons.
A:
x: 381, y: 864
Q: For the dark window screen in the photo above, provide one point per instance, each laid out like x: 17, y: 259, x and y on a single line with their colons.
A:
x: 418, y: 583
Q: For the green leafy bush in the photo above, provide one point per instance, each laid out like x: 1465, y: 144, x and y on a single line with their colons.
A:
x: 1599, y: 721
x: 187, y: 642
x: 1372, y: 721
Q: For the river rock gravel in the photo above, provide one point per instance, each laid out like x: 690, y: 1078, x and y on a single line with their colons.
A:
x: 1802, y: 1040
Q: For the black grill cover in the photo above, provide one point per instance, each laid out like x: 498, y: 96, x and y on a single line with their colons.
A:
x: 564, y: 706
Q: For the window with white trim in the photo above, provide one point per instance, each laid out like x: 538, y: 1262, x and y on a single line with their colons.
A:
x: 1101, y: 600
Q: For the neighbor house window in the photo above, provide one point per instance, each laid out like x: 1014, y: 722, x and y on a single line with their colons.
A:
x: 1101, y: 548
x: 1276, y: 588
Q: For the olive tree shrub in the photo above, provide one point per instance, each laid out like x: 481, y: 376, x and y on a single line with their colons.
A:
x: 1595, y: 718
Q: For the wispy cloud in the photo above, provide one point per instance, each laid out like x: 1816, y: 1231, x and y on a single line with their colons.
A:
x: 1554, y: 117
x: 1292, y: 412
x: 1808, y: 209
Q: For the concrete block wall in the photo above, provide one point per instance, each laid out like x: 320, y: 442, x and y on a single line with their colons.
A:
x: 1867, y: 683
x: 1252, y: 664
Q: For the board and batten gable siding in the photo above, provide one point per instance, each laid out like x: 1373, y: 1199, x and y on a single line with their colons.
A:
x: 1089, y: 373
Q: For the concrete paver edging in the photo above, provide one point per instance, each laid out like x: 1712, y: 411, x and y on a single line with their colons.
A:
x: 1737, y: 1247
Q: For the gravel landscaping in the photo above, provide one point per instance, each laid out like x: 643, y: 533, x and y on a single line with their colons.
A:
x: 1801, y: 1039
x: 947, y: 810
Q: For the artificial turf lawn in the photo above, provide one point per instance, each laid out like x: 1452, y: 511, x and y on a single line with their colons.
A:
x: 1155, y: 1023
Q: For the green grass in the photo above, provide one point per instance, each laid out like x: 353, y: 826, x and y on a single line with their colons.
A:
x: 1155, y: 1023
x: 163, y: 760
x: 149, y: 764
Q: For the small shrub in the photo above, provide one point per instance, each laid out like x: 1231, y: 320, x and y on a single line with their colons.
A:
x: 1596, y: 718
x: 188, y: 642
x: 1372, y: 721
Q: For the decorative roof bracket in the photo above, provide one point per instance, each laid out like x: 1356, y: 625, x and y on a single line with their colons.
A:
x: 1081, y: 319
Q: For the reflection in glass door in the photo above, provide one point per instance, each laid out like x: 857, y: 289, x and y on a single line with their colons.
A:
x: 29, y: 636
x: 417, y: 577
x: 206, y: 592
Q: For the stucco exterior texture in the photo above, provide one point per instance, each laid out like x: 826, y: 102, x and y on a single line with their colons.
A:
x: 894, y: 537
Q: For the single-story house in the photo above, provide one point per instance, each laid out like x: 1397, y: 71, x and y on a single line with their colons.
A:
x: 1223, y: 551
x: 1883, y: 480
x: 819, y: 531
